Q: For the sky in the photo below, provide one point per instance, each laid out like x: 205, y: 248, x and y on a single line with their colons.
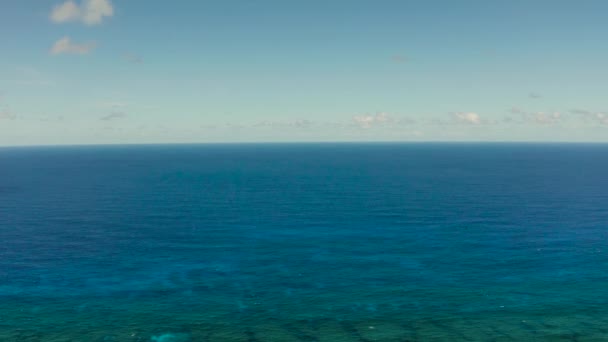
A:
x: 151, y: 71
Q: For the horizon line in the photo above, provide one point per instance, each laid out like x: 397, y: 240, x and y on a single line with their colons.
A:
x: 321, y: 142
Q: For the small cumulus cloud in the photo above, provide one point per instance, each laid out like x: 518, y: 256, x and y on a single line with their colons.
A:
x: 601, y: 118
x: 591, y: 116
x: 113, y: 116
x: 543, y: 118
x: 89, y: 12
x: 467, y: 118
x: 369, y: 120
x: 66, y: 46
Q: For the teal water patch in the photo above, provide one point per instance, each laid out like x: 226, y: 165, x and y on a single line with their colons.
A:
x: 109, y: 320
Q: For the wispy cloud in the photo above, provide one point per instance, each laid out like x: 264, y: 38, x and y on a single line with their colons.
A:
x: 369, y: 120
x: 66, y: 46
x: 534, y: 95
x: 591, y: 116
x: 543, y: 118
x: 601, y: 118
x: 113, y: 116
x: 89, y: 12
x: 467, y: 118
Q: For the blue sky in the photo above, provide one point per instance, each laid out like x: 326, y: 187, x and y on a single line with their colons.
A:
x: 135, y: 71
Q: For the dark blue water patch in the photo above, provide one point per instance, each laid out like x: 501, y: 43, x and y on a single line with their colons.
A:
x: 304, y: 241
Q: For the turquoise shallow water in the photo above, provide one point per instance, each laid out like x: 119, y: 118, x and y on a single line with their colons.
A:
x: 318, y: 242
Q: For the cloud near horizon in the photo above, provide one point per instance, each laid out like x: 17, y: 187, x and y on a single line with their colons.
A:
x: 89, y: 12
x: 467, y: 118
x: 545, y: 118
x: 65, y: 45
x: 591, y: 116
x: 369, y: 120
x: 539, y: 118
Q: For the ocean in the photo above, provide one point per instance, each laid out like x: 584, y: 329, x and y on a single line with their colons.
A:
x: 304, y: 242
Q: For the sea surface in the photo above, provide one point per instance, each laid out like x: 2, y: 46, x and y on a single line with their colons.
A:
x: 304, y: 242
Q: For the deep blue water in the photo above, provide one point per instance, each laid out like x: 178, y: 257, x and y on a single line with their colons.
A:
x: 304, y: 242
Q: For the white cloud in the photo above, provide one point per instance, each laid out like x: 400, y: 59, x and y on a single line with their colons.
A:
x: 89, y: 12
x: 68, y: 11
x: 601, y: 118
x: 65, y: 45
x: 545, y: 118
x: 369, y: 120
x: 541, y: 118
x: 467, y: 118
x: 590, y: 116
